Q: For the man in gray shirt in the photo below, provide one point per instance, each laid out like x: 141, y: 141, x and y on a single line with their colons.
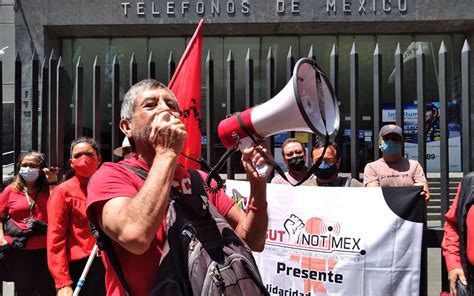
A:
x: 327, y: 173
x: 394, y: 170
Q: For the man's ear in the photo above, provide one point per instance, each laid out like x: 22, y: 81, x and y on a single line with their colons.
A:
x: 126, y: 127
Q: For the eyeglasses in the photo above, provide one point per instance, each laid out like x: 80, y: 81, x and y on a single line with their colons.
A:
x: 30, y: 165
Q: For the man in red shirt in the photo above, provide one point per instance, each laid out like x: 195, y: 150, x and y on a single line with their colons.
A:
x: 131, y: 211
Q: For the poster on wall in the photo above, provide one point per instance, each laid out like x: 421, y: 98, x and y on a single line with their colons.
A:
x: 339, y: 240
x: 432, y: 133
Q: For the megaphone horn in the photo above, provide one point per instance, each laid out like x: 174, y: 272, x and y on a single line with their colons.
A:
x: 307, y: 103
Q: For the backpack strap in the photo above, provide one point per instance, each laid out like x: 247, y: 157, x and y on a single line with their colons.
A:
x: 174, y: 193
x: 174, y: 242
x: 106, y: 245
x: 197, y: 183
x: 197, y: 187
x: 138, y: 171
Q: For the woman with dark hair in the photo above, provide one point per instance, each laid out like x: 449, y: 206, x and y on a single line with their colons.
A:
x: 23, y: 202
x: 70, y: 241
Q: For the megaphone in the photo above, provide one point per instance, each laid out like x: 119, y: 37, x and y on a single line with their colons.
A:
x: 307, y: 103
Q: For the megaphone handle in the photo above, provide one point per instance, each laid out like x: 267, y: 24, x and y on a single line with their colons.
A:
x: 246, y: 143
x: 261, y: 169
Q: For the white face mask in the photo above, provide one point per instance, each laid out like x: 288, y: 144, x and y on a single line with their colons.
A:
x: 29, y: 174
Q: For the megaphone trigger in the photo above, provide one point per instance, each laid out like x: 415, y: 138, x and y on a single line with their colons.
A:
x: 261, y: 169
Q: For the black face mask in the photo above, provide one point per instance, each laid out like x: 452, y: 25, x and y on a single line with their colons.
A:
x: 326, y: 171
x: 296, y: 163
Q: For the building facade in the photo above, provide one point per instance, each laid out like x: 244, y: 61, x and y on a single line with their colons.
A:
x: 108, y: 28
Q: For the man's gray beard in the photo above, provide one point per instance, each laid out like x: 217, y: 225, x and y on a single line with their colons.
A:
x: 143, y: 135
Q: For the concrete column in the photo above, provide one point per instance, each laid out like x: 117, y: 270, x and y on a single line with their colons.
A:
x: 470, y: 39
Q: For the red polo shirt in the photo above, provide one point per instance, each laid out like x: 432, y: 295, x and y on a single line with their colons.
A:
x: 16, y: 206
x: 114, y: 180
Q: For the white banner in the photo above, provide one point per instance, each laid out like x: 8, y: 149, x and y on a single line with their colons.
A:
x: 340, y: 241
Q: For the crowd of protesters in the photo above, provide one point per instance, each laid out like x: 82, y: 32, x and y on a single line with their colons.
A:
x: 46, y: 237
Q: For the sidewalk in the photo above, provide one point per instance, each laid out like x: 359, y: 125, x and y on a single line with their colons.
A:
x: 434, y: 266
x: 434, y: 272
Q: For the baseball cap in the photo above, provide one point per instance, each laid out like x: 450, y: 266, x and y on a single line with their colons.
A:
x: 390, y: 129
x: 124, y: 149
x: 430, y: 106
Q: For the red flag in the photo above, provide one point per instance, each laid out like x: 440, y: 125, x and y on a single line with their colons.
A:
x: 186, y: 85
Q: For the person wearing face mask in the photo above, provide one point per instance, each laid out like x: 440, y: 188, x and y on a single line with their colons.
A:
x: 294, y: 156
x: 70, y: 241
x: 23, y: 222
x: 394, y: 170
x: 327, y: 172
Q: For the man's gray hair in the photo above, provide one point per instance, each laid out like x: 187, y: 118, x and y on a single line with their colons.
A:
x: 130, y: 98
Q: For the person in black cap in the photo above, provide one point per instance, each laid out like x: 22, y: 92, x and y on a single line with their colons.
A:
x: 394, y: 170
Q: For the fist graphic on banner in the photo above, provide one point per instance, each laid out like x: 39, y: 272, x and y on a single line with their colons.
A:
x: 293, y: 226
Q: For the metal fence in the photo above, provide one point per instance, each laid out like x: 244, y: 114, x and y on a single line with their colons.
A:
x: 48, y: 97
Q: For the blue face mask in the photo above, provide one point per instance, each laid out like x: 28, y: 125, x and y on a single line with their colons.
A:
x: 390, y: 147
x: 29, y: 174
x: 326, y: 171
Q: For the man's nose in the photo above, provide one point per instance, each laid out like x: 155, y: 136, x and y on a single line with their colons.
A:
x: 162, y: 105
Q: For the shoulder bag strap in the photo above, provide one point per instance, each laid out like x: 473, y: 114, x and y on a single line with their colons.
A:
x: 197, y: 183
x: 108, y: 247
x: 106, y: 243
x: 143, y: 174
